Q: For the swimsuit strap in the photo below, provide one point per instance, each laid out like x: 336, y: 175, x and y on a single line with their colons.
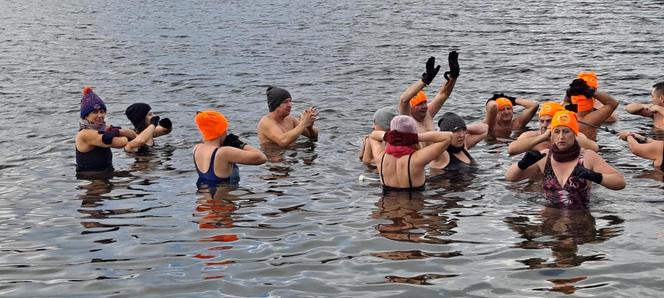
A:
x: 194, y: 156
x: 661, y: 166
x: 214, y: 153
x: 410, y: 183
x: 382, y: 181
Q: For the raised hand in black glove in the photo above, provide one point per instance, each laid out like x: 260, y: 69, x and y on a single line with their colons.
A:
x: 154, y: 120
x: 579, y: 87
x: 453, y: 60
x: 530, y: 158
x: 233, y: 141
x: 584, y: 173
x: 166, y: 123
x: 431, y: 71
x: 572, y: 107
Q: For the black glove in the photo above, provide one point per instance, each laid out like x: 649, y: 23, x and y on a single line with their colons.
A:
x: 166, y: 123
x: 453, y: 60
x: 431, y: 72
x: 529, y: 159
x: 579, y: 87
x: 233, y: 141
x: 584, y: 173
x: 571, y: 107
x: 108, y: 134
x: 154, y: 120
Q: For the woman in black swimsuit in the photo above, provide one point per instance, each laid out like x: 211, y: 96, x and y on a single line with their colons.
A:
x: 402, y: 163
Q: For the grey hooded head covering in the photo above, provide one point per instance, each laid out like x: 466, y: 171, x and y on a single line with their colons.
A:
x: 384, y: 116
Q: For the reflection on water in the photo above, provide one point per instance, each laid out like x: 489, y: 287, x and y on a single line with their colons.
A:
x: 562, y: 231
x: 215, y: 207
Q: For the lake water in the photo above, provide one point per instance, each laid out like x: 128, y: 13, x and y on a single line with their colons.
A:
x: 303, y: 224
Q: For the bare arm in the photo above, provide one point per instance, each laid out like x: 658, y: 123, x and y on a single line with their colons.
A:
x: 425, y: 155
x: 650, y: 150
x: 365, y: 152
x: 443, y: 94
x: 271, y: 131
x: 161, y: 131
x: 611, y: 178
x: 89, y: 137
x: 527, y: 141
x: 128, y: 133
x: 599, y: 116
x: 639, y: 109
x: 246, y: 156
x: 141, y: 139
x: 527, y: 114
x: 490, y: 117
x: 476, y: 132
x: 587, y: 143
x: 404, y: 100
x: 514, y: 173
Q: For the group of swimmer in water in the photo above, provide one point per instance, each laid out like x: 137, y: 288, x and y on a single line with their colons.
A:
x: 404, y: 140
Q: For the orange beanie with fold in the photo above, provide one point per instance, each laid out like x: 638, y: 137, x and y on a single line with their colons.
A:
x: 419, y: 98
x: 550, y: 108
x: 502, y: 102
x: 565, y: 118
x: 211, y: 124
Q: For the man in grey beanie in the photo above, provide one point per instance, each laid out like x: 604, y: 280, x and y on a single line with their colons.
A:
x: 278, y: 126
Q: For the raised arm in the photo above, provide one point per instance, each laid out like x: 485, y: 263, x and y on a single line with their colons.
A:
x: 427, y: 78
x: 490, y: 116
x: 530, y: 108
x: 599, y: 116
x: 587, y: 143
x: 475, y: 133
x: 443, y: 94
x: 527, y: 141
x: 446, y: 90
x: 404, y: 100
x: 439, y: 141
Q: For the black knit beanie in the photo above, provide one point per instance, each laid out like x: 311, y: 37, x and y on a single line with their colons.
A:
x: 137, y: 112
x: 275, y: 96
x: 451, y: 122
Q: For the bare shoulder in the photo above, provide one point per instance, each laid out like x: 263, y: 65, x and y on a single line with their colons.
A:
x: 590, y: 156
x: 528, y: 134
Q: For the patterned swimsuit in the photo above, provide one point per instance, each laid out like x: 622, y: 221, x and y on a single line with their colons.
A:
x: 575, y: 194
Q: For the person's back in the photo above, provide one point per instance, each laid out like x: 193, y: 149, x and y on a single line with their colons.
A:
x: 399, y: 172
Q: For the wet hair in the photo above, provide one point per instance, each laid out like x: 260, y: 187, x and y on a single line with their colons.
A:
x: 659, y: 88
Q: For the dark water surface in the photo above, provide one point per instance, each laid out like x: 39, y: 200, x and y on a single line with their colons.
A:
x: 303, y: 224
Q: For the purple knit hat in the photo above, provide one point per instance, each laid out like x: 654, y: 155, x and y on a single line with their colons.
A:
x: 90, y: 102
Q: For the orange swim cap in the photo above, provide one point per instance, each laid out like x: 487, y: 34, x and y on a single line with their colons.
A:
x: 590, y: 78
x: 502, y: 102
x: 565, y: 118
x: 211, y: 124
x: 550, y: 108
x: 583, y: 104
x: 419, y: 98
